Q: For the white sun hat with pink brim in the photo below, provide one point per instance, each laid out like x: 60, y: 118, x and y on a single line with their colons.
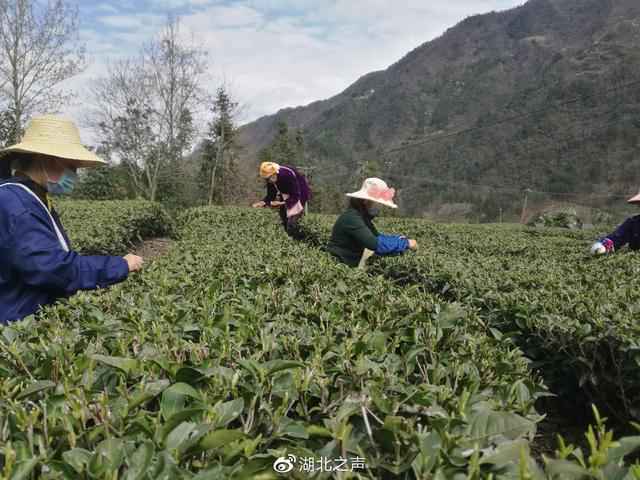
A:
x: 635, y: 199
x: 377, y: 191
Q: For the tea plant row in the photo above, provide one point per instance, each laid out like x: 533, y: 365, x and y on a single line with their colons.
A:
x: 575, y: 316
x: 112, y: 227
x: 240, y: 347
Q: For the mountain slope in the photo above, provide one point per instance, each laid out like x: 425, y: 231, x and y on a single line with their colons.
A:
x: 543, y: 95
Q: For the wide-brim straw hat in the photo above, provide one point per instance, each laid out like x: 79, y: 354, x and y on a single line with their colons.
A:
x: 55, y: 137
x: 377, y: 191
x: 635, y: 199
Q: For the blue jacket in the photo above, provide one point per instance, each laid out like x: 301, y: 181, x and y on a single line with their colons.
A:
x: 36, y: 265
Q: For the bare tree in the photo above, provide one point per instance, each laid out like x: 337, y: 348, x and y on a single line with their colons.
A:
x: 39, y: 50
x: 174, y: 71
x: 145, y: 107
x: 124, y: 121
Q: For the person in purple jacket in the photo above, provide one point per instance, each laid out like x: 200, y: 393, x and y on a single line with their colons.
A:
x: 626, y: 234
x: 37, y: 265
x: 287, y: 190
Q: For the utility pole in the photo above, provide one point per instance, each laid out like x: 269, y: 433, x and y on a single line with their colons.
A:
x: 308, y: 173
x: 524, y: 205
x: 219, y: 158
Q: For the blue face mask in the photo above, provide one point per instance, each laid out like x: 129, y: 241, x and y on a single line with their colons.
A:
x: 373, y: 211
x: 65, y: 185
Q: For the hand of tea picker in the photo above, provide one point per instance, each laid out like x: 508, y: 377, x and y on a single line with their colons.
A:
x: 413, y: 245
x: 259, y: 204
x: 134, y: 262
x: 277, y: 204
x: 602, y: 247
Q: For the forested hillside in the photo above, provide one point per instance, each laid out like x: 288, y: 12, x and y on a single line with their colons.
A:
x: 545, y: 96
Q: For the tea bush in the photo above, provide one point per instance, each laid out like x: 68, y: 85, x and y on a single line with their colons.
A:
x: 240, y: 347
x: 112, y: 227
x: 575, y: 316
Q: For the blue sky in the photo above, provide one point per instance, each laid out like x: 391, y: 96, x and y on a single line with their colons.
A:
x: 274, y: 53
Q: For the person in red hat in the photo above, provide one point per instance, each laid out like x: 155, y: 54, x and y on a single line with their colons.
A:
x: 626, y: 234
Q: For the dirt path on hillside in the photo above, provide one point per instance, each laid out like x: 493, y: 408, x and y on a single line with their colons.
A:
x: 153, y: 248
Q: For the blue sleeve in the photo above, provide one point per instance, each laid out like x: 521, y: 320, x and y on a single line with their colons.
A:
x: 623, y: 234
x: 41, y: 261
x: 391, y: 244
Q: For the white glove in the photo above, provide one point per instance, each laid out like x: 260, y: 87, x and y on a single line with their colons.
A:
x: 598, y: 249
x: 366, y: 254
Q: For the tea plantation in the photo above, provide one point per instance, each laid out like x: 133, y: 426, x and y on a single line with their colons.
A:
x: 112, y: 227
x: 240, y: 349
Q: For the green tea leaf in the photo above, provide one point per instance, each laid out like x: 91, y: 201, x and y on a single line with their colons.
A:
x: 78, y: 459
x: 126, y: 365
x: 108, y: 458
x: 179, y: 435
x: 485, y: 424
x: 149, y: 392
x: 220, y: 438
x: 23, y: 470
x: 192, y: 375
x: 175, y: 398
x: 565, y: 470
x: 293, y: 429
x: 139, y: 462
x: 627, y: 445
x: 36, y: 387
x: 227, y: 412
x: 176, y: 419
x: 506, y: 453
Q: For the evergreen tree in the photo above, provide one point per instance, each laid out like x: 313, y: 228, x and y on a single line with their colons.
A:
x: 285, y: 148
x: 299, y: 146
x: 218, y: 164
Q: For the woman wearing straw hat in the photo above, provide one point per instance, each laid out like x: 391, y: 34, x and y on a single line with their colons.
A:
x: 287, y: 190
x: 627, y: 233
x: 37, y: 266
x: 354, y: 231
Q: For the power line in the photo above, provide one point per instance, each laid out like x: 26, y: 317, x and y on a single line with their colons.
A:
x: 506, y: 188
x: 508, y: 119
x: 350, y: 169
x: 543, y: 149
x: 572, y: 140
x: 424, y: 180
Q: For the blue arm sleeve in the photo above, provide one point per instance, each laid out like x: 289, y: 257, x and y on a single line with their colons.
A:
x: 391, y: 244
x: 42, y: 262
